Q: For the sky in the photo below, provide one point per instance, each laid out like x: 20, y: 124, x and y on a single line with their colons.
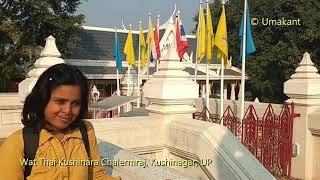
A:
x: 109, y: 13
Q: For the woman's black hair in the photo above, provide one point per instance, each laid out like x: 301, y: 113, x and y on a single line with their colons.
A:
x: 36, y: 102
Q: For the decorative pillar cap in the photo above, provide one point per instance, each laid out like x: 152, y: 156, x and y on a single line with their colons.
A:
x: 49, y: 56
x: 304, y: 86
x: 306, y: 69
x: 50, y: 49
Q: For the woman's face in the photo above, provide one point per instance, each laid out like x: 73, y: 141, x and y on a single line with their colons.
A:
x: 63, y: 107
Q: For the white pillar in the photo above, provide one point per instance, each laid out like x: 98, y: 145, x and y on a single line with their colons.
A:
x: 111, y: 89
x: 225, y: 91
x: 214, y: 87
x: 203, y: 89
x: 233, y: 91
x: 239, y: 93
x: 303, y: 88
x: 211, y: 88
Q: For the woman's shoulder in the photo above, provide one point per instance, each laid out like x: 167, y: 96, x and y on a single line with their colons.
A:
x: 91, y: 133
x: 14, y: 140
x: 88, y: 125
x: 16, y: 136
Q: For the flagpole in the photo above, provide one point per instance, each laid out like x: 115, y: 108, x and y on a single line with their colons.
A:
x: 128, y: 85
x: 196, y: 65
x: 128, y: 73
x: 177, y: 23
x: 207, y: 88
x: 118, y: 84
x: 128, y: 80
x: 207, y: 71
x: 157, y: 61
x: 221, y: 87
x: 148, y: 65
x: 139, y: 64
x: 149, y: 50
x: 118, y: 89
x: 243, y: 69
x: 222, y: 82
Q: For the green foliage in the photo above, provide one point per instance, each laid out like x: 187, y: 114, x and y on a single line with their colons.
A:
x: 7, y: 74
x: 279, y: 48
x: 25, y: 24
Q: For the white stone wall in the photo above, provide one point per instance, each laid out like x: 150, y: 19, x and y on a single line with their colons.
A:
x: 142, y: 169
x: 185, y: 139
x: 314, y: 129
x: 10, y: 114
x: 10, y: 121
x: 9, y: 99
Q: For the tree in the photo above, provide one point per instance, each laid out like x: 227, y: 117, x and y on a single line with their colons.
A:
x: 279, y: 48
x: 25, y: 24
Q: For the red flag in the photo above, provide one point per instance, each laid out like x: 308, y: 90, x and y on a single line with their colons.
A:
x: 182, y: 42
x: 156, y: 39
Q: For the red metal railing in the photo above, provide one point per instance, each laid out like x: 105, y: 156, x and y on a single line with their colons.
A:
x: 249, y: 127
x: 100, y: 113
x: 230, y: 121
x: 268, y: 138
x: 203, y: 116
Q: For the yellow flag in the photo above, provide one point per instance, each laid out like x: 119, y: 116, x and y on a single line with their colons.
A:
x: 201, y: 36
x: 210, y: 36
x: 129, y: 50
x: 150, y: 38
x: 143, y: 48
x: 221, y: 41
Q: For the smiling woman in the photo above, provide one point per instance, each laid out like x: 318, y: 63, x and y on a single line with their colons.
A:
x: 63, y: 108
x: 54, y: 132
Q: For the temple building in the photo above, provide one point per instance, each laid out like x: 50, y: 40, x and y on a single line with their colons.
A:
x: 95, y: 58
